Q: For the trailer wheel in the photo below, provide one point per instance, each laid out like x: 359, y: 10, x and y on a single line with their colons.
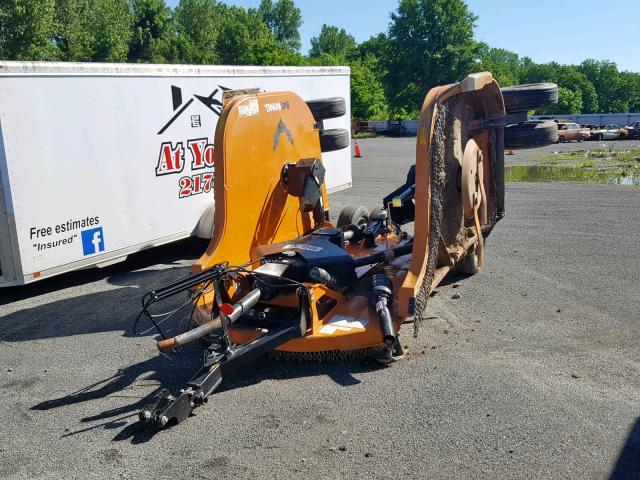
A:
x: 334, y: 139
x: 521, y: 98
x: 326, y: 108
x: 469, y: 264
x: 353, y: 215
x: 532, y: 134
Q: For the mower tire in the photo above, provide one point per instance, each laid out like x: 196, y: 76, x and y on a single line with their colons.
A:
x: 531, y: 134
x: 353, y: 215
x: 532, y: 96
x: 334, y: 139
x: 326, y: 108
x: 375, y: 213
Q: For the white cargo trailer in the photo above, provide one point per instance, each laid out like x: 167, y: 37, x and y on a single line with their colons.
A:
x: 98, y: 161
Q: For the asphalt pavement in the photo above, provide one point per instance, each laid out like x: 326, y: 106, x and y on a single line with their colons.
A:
x: 534, y: 372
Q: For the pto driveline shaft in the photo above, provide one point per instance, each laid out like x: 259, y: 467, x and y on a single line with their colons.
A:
x: 233, y: 313
x: 187, y: 337
x: 380, y: 298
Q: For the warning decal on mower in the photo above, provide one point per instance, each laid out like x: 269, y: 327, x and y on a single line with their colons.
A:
x: 343, y: 324
x: 249, y: 108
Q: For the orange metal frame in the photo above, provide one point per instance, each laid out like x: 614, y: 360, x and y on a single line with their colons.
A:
x: 254, y: 211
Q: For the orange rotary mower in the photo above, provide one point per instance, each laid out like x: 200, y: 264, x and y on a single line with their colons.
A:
x: 279, y: 278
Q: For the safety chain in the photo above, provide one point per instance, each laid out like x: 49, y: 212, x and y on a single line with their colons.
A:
x: 437, y: 185
x: 493, y: 165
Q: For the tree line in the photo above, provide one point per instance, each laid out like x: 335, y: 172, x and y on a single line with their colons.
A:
x: 427, y: 43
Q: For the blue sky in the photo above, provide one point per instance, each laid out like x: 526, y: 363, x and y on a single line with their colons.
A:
x: 545, y: 30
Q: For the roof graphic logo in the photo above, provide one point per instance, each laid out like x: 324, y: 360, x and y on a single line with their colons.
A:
x: 179, y: 107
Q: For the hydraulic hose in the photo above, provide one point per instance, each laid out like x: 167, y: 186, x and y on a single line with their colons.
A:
x: 320, y: 275
x: 384, y: 255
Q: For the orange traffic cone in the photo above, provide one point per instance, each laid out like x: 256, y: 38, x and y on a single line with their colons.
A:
x: 357, y: 147
x: 510, y: 152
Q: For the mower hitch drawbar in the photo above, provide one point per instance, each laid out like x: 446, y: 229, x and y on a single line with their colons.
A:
x: 166, y: 409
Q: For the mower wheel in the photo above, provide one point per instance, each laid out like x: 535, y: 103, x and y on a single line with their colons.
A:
x: 532, y: 134
x: 532, y: 96
x: 353, y: 215
x: 469, y: 264
x: 334, y: 139
x: 326, y: 108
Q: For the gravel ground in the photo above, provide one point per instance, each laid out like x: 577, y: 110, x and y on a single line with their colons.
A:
x: 534, y: 372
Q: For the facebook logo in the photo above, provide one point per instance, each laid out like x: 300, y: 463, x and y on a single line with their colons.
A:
x: 92, y: 241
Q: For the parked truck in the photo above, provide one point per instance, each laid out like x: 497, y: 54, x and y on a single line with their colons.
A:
x: 98, y: 161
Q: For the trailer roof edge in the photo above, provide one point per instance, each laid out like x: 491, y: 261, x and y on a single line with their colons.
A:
x: 9, y: 68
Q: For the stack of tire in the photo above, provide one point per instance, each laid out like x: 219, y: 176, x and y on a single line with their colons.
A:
x: 326, y: 109
x: 522, y: 133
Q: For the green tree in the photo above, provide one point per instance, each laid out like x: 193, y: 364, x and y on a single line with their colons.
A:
x: 152, y: 27
x: 567, y: 76
x: 94, y: 30
x: 27, y: 29
x: 333, y: 41
x: 246, y: 40
x: 609, y: 85
x: 284, y: 20
x: 376, y: 49
x: 631, y: 85
x: 571, y: 78
x: 368, y: 99
x: 430, y: 43
x: 503, y: 64
x: 569, y: 102
x: 531, y: 72
x: 197, y: 24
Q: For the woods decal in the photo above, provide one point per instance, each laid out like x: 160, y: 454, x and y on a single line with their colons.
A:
x: 197, y: 153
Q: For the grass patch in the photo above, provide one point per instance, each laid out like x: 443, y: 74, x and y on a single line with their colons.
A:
x: 365, y: 135
x: 596, y: 165
x: 550, y: 173
x: 596, y: 158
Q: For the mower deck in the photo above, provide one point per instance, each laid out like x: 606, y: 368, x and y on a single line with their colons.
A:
x: 278, y: 276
